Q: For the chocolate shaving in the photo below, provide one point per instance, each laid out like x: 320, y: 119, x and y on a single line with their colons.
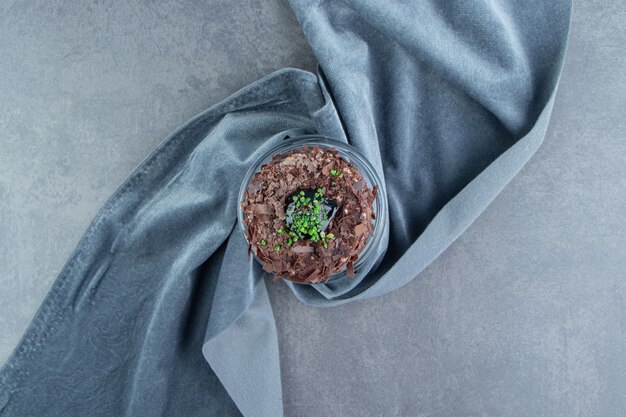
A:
x: 303, y: 249
x: 359, y: 185
x: 350, y: 269
x: 360, y: 229
x: 263, y: 209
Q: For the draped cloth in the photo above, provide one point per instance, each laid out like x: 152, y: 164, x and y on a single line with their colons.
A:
x: 160, y: 312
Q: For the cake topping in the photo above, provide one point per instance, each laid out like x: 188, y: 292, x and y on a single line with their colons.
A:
x: 308, y: 214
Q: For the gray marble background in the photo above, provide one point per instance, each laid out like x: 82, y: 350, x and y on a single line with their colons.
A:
x: 525, y: 315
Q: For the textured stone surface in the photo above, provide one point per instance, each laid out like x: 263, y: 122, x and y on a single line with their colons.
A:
x: 524, y: 315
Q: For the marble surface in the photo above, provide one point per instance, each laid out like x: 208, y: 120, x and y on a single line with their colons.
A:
x: 525, y: 315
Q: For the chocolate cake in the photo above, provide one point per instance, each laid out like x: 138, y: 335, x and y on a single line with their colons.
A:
x: 308, y: 214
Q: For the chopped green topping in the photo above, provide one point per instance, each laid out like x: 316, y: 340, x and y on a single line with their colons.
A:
x: 277, y: 247
x: 336, y: 173
x: 263, y: 242
x: 330, y: 236
x: 281, y: 231
x: 306, y: 219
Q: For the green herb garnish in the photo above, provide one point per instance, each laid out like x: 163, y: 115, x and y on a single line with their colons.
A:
x: 307, y: 218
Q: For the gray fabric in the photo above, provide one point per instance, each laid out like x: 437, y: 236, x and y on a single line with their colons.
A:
x: 448, y: 102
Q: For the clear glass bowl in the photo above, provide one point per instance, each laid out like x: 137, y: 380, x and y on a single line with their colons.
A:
x: 370, y: 256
